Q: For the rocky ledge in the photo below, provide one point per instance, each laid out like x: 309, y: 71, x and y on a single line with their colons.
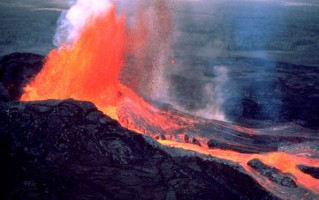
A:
x: 67, y: 149
x: 70, y: 150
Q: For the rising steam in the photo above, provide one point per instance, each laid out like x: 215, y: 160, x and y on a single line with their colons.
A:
x: 149, y: 49
x: 72, y: 21
x: 117, y: 64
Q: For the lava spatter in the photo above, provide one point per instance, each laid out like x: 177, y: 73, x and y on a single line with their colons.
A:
x: 90, y: 68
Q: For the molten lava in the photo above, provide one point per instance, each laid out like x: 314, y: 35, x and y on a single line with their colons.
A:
x: 90, y: 70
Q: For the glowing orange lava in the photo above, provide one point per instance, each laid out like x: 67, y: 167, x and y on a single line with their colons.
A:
x: 286, y: 163
x: 87, y: 70
x: 90, y: 70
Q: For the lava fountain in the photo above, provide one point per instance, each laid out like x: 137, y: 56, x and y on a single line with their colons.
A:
x: 89, y: 68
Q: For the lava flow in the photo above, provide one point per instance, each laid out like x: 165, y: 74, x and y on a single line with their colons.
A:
x: 90, y: 70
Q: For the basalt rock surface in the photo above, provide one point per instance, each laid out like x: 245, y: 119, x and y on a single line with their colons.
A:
x: 273, y: 174
x: 70, y: 150
x: 312, y: 171
x: 16, y: 70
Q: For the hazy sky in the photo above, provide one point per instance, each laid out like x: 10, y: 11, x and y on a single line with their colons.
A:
x: 29, y: 25
x: 34, y: 3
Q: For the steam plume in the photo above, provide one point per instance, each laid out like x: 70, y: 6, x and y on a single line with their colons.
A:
x: 151, y: 29
x: 72, y: 21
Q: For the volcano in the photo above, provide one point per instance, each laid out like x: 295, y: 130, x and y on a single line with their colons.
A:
x: 69, y: 149
x: 123, y: 145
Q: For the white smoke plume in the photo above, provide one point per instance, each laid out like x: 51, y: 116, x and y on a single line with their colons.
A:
x: 213, y: 108
x: 213, y: 94
x: 72, y: 21
x: 152, y: 62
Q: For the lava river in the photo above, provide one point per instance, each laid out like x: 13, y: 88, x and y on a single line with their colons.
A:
x: 90, y: 70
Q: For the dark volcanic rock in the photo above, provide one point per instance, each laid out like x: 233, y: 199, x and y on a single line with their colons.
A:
x: 268, y: 140
x: 273, y: 174
x: 261, y: 89
x: 312, y: 171
x: 16, y: 70
x: 251, y: 110
x: 4, y: 96
x: 70, y: 150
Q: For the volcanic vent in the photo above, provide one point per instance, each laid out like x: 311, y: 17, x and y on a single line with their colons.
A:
x: 90, y: 67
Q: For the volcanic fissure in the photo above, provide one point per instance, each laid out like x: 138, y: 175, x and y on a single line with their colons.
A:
x: 90, y: 68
